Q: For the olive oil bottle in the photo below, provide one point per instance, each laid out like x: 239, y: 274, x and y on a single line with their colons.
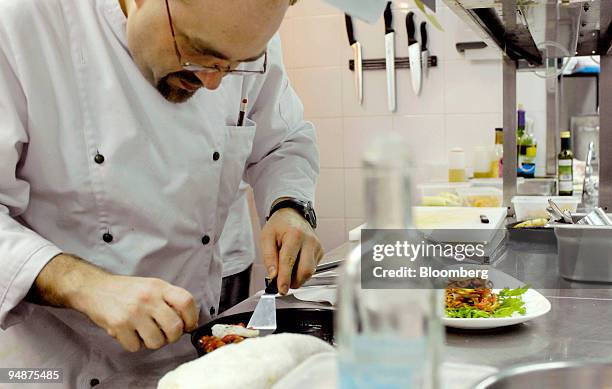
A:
x: 565, y: 166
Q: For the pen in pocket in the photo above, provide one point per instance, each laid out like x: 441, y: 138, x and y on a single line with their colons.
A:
x: 243, y: 108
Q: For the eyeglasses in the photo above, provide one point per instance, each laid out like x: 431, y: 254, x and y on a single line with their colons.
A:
x: 190, y: 67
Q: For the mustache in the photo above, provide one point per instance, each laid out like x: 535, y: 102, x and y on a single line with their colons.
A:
x: 175, y: 94
x: 189, y: 77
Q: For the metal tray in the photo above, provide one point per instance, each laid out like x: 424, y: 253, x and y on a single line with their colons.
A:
x: 558, y: 375
x: 309, y: 321
x: 544, y: 235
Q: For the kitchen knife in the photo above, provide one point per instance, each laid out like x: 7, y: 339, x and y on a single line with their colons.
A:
x: 390, y: 57
x: 414, y: 53
x: 357, y: 56
x: 264, y: 316
x: 424, y: 49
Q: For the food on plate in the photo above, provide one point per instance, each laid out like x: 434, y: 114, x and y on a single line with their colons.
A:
x: 223, y: 334
x: 257, y: 363
x: 540, y: 222
x: 475, y: 298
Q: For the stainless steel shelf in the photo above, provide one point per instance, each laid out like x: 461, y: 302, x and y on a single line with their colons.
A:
x: 523, y: 30
x: 518, y: 27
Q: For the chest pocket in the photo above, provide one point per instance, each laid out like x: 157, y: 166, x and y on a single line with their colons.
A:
x: 238, y: 147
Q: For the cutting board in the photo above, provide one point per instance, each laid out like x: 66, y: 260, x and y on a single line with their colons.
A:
x: 464, y: 220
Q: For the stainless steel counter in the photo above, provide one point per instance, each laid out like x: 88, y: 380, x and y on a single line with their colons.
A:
x: 579, y: 326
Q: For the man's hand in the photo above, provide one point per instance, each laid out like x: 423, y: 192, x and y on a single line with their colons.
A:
x: 137, y: 310
x: 288, y: 238
x: 133, y: 310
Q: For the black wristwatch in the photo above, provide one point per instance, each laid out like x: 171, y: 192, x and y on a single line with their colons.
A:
x: 303, y: 207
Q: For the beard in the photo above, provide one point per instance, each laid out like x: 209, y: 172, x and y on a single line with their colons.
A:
x: 175, y: 94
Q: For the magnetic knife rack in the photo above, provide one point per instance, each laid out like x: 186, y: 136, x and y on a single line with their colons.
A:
x: 400, y: 63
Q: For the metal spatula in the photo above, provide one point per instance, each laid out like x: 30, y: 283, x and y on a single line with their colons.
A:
x: 264, y: 317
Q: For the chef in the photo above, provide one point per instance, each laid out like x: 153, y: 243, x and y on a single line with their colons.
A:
x: 121, y: 150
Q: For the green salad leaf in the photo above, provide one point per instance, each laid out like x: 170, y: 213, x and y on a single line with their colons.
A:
x: 509, y: 300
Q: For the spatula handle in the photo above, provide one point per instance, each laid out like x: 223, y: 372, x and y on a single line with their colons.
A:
x: 271, y: 286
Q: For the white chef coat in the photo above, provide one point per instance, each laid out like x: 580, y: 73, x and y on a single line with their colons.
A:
x: 236, y: 241
x: 69, y: 91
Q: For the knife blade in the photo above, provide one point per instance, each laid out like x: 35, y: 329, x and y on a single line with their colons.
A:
x: 424, y: 49
x: 414, y: 53
x: 264, y: 316
x: 390, y: 57
x: 357, y: 57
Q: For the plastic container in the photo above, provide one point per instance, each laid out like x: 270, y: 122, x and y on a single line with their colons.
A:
x: 481, y: 197
x: 534, y: 207
x: 440, y: 194
x: 456, y: 165
x: 537, y: 186
x: 487, y: 182
x: 483, y: 156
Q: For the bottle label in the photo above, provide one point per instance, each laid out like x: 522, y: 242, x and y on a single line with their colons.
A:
x: 565, y: 186
x: 565, y: 170
x: 527, y: 169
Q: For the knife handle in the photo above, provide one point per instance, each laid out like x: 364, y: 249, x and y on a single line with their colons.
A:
x: 410, y: 28
x: 349, y: 29
x: 388, y: 19
x: 424, y: 36
x: 271, y: 286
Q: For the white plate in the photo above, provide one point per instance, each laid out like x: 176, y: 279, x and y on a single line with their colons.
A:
x: 535, y: 304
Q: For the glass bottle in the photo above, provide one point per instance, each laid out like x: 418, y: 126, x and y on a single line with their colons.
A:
x: 498, y: 165
x: 565, y: 166
x: 387, y: 338
x: 528, y: 152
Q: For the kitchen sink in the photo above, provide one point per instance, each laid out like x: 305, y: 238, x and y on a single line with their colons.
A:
x: 558, y: 375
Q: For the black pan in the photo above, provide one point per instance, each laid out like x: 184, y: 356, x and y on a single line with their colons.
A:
x: 309, y: 321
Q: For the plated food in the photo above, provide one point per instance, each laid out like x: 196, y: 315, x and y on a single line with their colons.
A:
x: 475, y: 298
x: 475, y: 304
x: 224, y: 334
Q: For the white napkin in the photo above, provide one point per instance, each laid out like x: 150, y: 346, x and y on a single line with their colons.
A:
x: 316, y: 294
x: 256, y: 363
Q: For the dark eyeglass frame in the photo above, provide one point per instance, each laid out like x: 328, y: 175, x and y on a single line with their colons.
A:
x: 190, y: 67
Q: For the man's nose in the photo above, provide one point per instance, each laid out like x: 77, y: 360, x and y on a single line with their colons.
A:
x: 210, y: 80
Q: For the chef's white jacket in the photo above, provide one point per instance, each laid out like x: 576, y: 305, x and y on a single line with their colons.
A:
x: 70, y: 94
x: 236, y: 241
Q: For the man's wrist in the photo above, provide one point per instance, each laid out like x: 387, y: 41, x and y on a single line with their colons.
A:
x: 64, y: 283
x: 303, y: 208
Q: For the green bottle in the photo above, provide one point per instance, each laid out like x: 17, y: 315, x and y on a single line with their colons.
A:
x: 565, y: 164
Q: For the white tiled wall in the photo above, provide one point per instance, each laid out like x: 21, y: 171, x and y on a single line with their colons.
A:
x: 460, y: 104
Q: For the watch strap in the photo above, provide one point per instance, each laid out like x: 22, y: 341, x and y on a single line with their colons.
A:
x: 304, y: 208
